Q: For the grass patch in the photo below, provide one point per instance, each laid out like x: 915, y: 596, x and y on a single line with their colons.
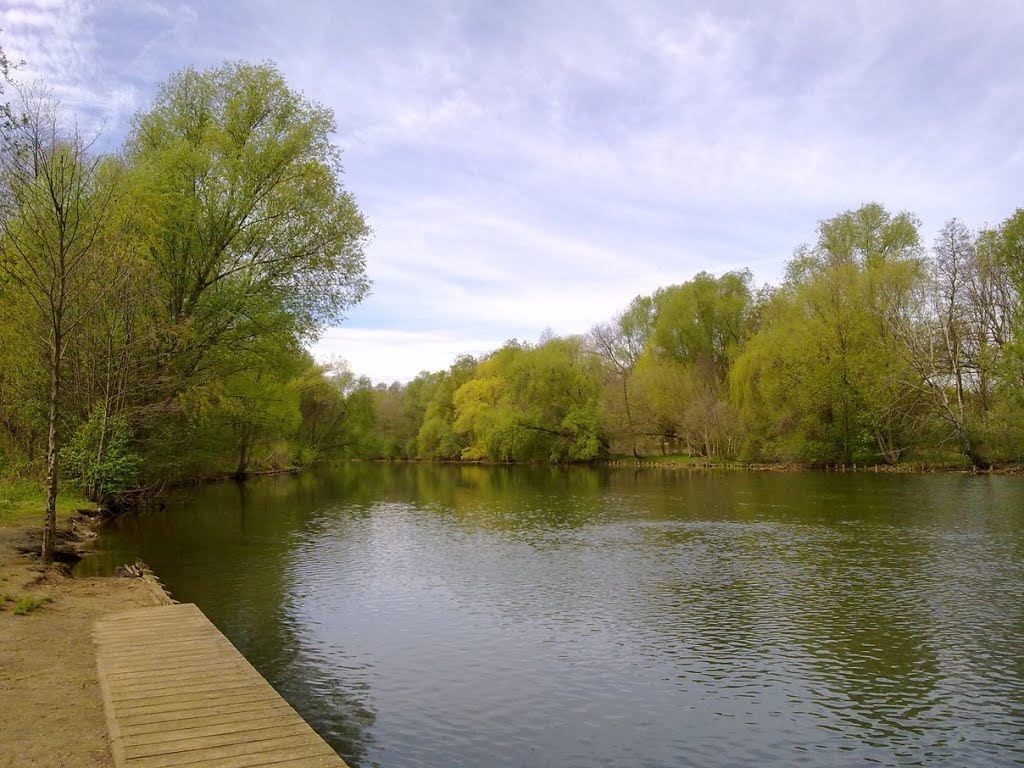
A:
x: 28, y: 604
x: 23, y: 502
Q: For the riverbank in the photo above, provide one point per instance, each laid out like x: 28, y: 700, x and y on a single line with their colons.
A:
x: 696, y: 463
x: 907, y: 468
x: 51, y: 711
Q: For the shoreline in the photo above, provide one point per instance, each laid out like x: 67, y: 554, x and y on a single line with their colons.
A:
x: 909, y: 468
x: 51, y: 708
x: 854, y: 468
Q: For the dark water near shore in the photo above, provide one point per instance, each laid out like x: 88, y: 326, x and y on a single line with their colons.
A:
x: 422, y: 615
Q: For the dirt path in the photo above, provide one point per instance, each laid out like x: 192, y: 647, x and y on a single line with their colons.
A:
x: 51, y: 713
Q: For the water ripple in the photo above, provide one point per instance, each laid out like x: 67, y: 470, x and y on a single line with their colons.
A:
x: 451, y: 617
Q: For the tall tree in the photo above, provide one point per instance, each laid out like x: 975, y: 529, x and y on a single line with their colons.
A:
x: 6, y: 115
x: 699, y: 327
x: 619, y: 344
x: 57, y: 202
x: 250, y: 229
x: 942, y: 336
x: 824, y: 371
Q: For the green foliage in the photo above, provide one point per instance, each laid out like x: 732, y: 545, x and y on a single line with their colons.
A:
x: 433, y: 401
x: 28, y: 604
x: 241, y: 181
x: 703, y: 321
x: 100, y: 458
x: 532, y: 404
x: 824, y: 380
x: 837, y: 365
x: 221, y: 241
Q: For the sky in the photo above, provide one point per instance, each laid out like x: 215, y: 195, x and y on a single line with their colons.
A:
x: 532, y: 166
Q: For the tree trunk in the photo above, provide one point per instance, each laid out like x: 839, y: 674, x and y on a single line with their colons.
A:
x: 243, y: 457
x: 50, y: 523
x: 629, y: 416
x: 977, y: 460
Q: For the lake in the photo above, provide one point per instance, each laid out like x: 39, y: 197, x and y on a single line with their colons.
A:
x: 442, y: 615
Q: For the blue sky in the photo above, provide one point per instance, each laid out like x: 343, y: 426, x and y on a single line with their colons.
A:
x: 534, y: 165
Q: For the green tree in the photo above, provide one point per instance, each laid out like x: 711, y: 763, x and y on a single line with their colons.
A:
x: 56, y: 204
x: 249, y: 228
x: 528, y: 403
x: 619, y: 344
x: 100, y: 457
x: 433, y: 395
x: 698, y: 328
x: 703, y: 321
x: 823, y: 379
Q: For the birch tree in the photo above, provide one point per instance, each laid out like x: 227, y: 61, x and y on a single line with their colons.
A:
x: 57, y: 195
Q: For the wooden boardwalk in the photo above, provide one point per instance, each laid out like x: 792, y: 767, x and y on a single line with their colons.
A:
x: 177, y: 693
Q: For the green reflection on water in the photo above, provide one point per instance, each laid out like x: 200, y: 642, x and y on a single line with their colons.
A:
x: 879, y: 615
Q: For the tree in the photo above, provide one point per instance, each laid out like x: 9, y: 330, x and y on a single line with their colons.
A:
x: 942, y: 340
x: 6, y: 115
x: 619, y: 344
x: 250, y: 230
x: 703, y: 320
x: 57, y: 203
x: 532, y: 403
x: 823, y: 379
x: 432, y: 399
x: 698, y: 329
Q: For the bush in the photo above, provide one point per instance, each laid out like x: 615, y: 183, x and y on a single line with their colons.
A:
x: 28, y: 604
x: 99, y: 458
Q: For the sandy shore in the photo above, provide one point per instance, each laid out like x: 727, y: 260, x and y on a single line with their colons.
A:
x: 51, y: 712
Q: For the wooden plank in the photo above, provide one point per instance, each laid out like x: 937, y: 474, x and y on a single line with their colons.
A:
x: 195, y: 743
x: 132, y: 663
x: 177, y: 693
x: 247, y: 702
x: 303, y: 757
x: 198, y: 702
x: 245, y: 723
x: 153, y: 697
x: 204, y: 669
x: 194, y: 718
x: 282, y: 746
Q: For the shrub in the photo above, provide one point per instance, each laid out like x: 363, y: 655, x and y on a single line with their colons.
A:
x: 99, y: 458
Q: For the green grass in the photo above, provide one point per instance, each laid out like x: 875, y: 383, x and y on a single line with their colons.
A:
x: 23, y: 502
x: 28, y: 604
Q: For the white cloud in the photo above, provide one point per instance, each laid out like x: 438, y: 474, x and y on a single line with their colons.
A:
x: 387, y: 356
x: 539, y: 168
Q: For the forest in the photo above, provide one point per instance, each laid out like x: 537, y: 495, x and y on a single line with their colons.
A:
x: 157, y: 304
x: 875, y: 348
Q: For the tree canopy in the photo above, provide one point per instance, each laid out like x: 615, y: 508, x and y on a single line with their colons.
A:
x: 157, y: 302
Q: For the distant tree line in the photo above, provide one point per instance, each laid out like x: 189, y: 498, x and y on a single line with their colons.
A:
x: 875, y: 348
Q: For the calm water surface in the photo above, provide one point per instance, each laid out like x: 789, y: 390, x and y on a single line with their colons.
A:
x: 424, y: 615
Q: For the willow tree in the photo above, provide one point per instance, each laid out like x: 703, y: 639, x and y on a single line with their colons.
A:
x: 57, y: 198
x: 250, y: 232
x: 823, y: 379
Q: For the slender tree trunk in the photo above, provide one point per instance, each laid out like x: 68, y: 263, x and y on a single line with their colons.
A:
x: 976, y: 459
x: 50, y: 523
x: 243, y: 456
x: 629, y: 416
